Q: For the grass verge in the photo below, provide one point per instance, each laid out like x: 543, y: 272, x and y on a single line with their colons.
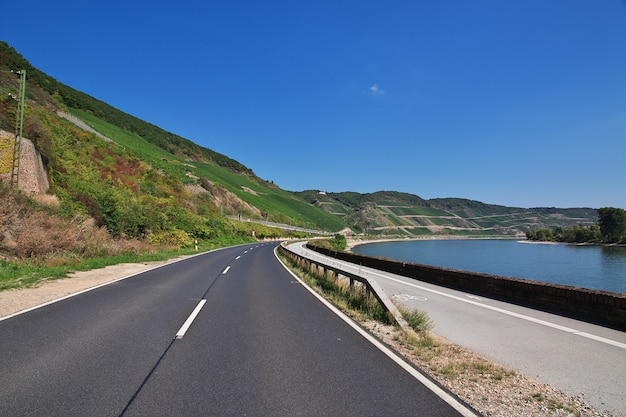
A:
x: 25, y: 274
x: 354, y: 301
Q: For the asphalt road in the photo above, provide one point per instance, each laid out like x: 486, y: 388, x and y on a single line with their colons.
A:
x: 574, y: 356
x: 230, y: 332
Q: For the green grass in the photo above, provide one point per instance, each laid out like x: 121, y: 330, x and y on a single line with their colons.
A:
x: 419, y: 231
x: 417, y: 319
x: 281, y: 205
x: 142, y: 149
x: 15, y: 275
x: 352, y: 300
x: 417, y: 211
x: 397, y: 221
x: 335, y: 208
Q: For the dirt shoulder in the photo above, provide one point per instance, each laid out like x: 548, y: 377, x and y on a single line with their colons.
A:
x: 14, y: 301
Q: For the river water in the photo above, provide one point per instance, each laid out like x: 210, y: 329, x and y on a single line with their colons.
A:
x: 593, y: 267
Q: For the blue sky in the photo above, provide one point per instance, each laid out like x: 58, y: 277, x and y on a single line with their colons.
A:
x: 518, y: 103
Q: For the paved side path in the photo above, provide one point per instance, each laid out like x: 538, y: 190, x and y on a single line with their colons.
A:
x: 575, y: 357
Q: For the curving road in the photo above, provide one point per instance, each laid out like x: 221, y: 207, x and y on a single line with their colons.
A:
x: 229, y: 332
x: 576, y: 357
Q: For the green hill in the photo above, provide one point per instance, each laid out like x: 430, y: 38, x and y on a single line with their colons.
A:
x: 139, y: 181
x: 394, y: 213
x: 142, y: 180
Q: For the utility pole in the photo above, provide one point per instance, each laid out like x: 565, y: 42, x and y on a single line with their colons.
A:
x: 19, y: 127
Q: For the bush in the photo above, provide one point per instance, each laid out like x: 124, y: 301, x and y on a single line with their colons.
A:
x: 174, y: 238
x: 337, y: 243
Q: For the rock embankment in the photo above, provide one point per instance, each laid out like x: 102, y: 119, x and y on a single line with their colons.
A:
x: 33, y: 175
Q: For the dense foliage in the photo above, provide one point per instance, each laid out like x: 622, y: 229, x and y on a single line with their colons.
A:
x: 611, y: 228
x: 612, y: 222
x: 337, y: 243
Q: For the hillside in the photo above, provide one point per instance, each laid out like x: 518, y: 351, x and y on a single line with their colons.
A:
x: 132, y: 177
x: 395, y: 213
x: 139, y: 181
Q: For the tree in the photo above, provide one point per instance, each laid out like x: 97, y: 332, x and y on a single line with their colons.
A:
x: 543, y: 234
x: 338, y: 243
x: 612, y: 222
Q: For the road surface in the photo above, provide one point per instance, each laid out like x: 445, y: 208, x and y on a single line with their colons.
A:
x: 229, y: 332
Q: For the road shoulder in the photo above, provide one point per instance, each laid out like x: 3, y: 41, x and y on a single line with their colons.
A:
x: 16, y: 300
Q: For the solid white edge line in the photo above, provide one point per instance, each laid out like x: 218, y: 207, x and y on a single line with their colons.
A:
x: 190, y: 319
x: 519, y: 316
x: 449, y: 399
x: 497, y: 309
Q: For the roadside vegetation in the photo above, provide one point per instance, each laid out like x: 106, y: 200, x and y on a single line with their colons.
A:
x: 40, y: 239
x: 610, y: 229
x: 353, y: 300
x: 337, y: 243
x: 143, y: 194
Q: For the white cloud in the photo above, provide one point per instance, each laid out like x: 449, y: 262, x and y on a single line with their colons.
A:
x: 375, y: 90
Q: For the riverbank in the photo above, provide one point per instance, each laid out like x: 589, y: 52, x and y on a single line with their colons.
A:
x: 549, y: 242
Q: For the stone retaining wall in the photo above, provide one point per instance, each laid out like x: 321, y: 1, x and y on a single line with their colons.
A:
x: 599, y: 307
x: 33, y: 176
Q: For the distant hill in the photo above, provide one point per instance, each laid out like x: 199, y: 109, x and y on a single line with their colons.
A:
x: 395, y: 213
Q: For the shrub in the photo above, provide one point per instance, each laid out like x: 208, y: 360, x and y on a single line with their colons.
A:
x: 417, y: 319
x: 174, y: 238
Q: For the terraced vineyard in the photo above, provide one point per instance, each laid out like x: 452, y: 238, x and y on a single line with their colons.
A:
x: 394, y: 213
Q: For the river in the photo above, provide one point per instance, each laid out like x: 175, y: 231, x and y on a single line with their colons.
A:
x: 593, y: 267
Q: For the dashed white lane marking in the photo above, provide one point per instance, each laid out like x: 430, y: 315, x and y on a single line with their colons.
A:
x: 226, y: 270
x: 190, y: 320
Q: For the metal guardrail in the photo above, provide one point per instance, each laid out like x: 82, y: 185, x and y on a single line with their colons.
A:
x: 371, y: 287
